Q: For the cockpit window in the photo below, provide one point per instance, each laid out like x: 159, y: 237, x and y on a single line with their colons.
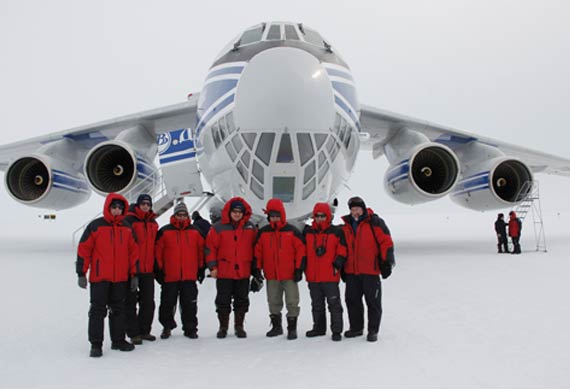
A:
x: 313, y: 37
x: 306, y: 150
x: 264, y: 147
x: 285, y: 154
x: 291, y: 33
x: 274, y: 32
x: 251, y: 36
x: 284, y: 188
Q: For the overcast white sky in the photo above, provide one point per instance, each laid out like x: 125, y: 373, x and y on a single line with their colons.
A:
x: 496, y: 68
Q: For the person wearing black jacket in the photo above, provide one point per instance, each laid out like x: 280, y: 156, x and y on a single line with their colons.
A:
x: 201, y: 224
x: 501, y: 230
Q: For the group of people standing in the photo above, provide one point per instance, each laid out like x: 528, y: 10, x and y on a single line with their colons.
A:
x: 125, y: 252
x: 515, y: 228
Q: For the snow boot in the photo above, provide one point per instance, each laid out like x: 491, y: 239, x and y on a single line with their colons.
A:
x: 372, y: 337
x: 291, y: 328
x: 224, y: 319
x: 166, y: 332
x: 319, y: 325
x: 353, y: 333
x: 136, y: 340
x: 96, y: 351
x: 148, y: 337
x: 276, y: 327
x: 239, y: 317
x: 123, y: 346
x: 191, y: 334
x: 336, y: 336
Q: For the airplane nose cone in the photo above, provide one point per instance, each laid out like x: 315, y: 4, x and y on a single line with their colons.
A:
x: 284, y: 87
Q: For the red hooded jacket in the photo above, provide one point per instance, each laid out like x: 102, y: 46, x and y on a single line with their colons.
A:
x: 229, y: 246
x: 145, y: 228
x: 108, y: 248
x: 280, y: 248
x: 331, y: 238
x: 515, y: 225
x: 179, y: 251
x: 372, y: 238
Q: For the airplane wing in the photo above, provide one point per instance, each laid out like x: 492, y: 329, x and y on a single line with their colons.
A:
x: 159, y: 120
x: 382, y: 125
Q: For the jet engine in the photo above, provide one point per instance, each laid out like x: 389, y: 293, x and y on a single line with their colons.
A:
x: 118, y: 165
x: 420, y: 170
x: 45, y: 181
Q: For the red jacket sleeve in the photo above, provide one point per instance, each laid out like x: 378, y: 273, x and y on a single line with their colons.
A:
x: 85, y: 251
x: 133, y: 256
x: 300, y: 251
x: 211, y: 250
x: 385, y: 241
x: 200, y: 247
x: 159, y: 250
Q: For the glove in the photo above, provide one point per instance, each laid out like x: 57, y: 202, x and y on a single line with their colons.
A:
x: 385, y: 269
x: 201, y: 275
x: 338, y: 264
x: 82, y: 281
x: 159, y: 276
x: 134, y: 283
x: 298, y: 275
x: 256, y: 284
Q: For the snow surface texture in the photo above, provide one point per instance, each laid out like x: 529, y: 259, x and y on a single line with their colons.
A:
x: 456, y: 314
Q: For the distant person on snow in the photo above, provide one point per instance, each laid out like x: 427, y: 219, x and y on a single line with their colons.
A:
x: 142, y: 220
x: 326, y: 255
x: 109, y: 252
x: 280, y: 253
x: 370, y: 253
x: 501, y: 230
x: 179, y: 255
x: 515, y: 227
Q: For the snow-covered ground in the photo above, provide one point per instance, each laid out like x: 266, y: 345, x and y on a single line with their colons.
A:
x: 456, y: 314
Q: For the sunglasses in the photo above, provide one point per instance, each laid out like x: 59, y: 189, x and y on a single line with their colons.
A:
x: 320, y: 215
x: 237, y: 211
x: 182, y: 215
x: 117, y: 206
x: 145, y: 204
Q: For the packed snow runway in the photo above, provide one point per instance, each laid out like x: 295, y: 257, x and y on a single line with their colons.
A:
x: 456, y: 314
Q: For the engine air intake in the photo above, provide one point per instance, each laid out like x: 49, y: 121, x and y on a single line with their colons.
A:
x: 110, y: 168
x: 28, y: 179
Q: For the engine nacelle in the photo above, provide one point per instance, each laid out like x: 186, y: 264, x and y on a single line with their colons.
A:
x: 420, y: 171
x: 42, y: 181
x: 118, y: 165
x: 493, y: 184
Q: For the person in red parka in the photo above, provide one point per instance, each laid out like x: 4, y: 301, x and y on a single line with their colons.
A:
x: 179, y: 255
x: 109, y: 252
x: 515, y: 227
x: 142, y: 220
x: 370, y: 253
x: 326, y: 255
x: 280, y: 253
x: 229, y: 255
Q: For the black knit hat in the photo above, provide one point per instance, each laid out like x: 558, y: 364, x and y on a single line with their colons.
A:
x: 237, y: 205
x: 144, y: 197
x: 356, y: 201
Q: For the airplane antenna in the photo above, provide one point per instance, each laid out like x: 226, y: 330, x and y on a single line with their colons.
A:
x: 327, y: 47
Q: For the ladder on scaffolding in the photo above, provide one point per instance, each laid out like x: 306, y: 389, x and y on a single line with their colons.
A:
x: 153, y: 185
x: 531, y: 204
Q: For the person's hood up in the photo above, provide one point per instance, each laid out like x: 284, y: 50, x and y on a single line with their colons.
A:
x: 226, y: 219
x: 107, y: 212
x: 275, y: 204
x: 322, y: 208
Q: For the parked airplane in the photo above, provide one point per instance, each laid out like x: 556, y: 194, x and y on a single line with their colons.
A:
x: 278, y: 116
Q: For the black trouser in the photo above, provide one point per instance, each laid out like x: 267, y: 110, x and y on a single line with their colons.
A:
x: 238, y: 289
x: 188, y: 293
x: 141, y: 322
x: 371, y: 288
x: 516, y: 244
x: 107, y: 295
x: 502, y: 244
x: 330, y: 291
